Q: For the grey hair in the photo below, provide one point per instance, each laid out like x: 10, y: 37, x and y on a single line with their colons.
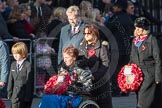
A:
x: 74, y: 9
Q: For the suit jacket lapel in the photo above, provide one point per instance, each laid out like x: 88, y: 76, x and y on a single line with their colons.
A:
x: 81, y: 26
x: 68, y: 32
x: 14, y: 71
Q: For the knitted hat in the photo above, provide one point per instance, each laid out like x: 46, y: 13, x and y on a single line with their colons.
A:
x: 142, y: 22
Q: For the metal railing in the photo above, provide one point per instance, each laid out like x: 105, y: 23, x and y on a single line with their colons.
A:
x: 33, y: 56
x: 45, y: 63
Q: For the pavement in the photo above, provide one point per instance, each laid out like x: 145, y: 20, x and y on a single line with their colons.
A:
x: 118, y: 102
x: 125, y: 102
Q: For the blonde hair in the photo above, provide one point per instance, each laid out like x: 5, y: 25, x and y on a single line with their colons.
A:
x: 145, y: 32
x: 20, y: 48
x: 58, y: 13
x: 74, y: 9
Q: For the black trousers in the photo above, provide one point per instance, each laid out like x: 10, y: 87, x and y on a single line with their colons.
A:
x: 123, y: 60
x: 3, y: 91
x: 21, y: 104
x: 102, y: 96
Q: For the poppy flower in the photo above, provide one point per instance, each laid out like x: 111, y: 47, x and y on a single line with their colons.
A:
x: 52, y: 86
x: 77, y: 31
x: 143, y: 47
x: 91, y: 52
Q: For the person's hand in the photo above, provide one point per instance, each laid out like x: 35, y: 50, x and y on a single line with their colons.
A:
x: 33, y: 35
x: 16, y: 39
x: 157, y: 82
x: 2, y: 83
x: 64, y: 73
x: 49, y: 50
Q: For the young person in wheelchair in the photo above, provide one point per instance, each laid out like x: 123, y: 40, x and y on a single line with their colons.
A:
x: 73, y: 78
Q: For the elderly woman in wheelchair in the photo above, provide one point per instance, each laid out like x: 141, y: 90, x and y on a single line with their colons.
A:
x: 69, y: 88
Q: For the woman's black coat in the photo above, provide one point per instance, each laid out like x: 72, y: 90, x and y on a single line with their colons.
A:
x: 98, y: 64
x: 83, y: 81
x: 17, y: 29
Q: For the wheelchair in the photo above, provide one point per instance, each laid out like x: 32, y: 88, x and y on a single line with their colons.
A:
x: 88, y: 104
x: 67, y: 101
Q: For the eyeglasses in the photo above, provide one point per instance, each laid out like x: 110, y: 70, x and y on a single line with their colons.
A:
x: 86, y: 33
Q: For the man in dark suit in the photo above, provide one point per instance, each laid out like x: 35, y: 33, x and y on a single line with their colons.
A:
x: 71, y: 34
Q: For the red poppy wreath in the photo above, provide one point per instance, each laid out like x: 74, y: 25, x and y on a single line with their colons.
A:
x: 130, y: 78
x: 53, y: 86
x: 2, y: 104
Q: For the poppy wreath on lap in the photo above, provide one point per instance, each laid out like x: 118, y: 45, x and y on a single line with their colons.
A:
x: 130, y: 78
x: 58, y: 84
x: 2, y: 104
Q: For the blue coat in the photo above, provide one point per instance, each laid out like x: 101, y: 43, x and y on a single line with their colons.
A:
x: 59, y: 101
x: 66, y: 39
x: 4, y: 62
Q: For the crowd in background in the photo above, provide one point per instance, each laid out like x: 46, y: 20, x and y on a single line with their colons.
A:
x: 39, y: 19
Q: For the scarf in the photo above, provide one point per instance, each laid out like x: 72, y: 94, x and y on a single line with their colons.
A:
x: 139, y: 39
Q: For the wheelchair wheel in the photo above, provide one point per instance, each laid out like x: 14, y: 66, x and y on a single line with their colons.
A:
x: 88, y: 104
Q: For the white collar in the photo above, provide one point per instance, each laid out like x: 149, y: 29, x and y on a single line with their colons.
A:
x: 77, y: 27
x: 21, y: 61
